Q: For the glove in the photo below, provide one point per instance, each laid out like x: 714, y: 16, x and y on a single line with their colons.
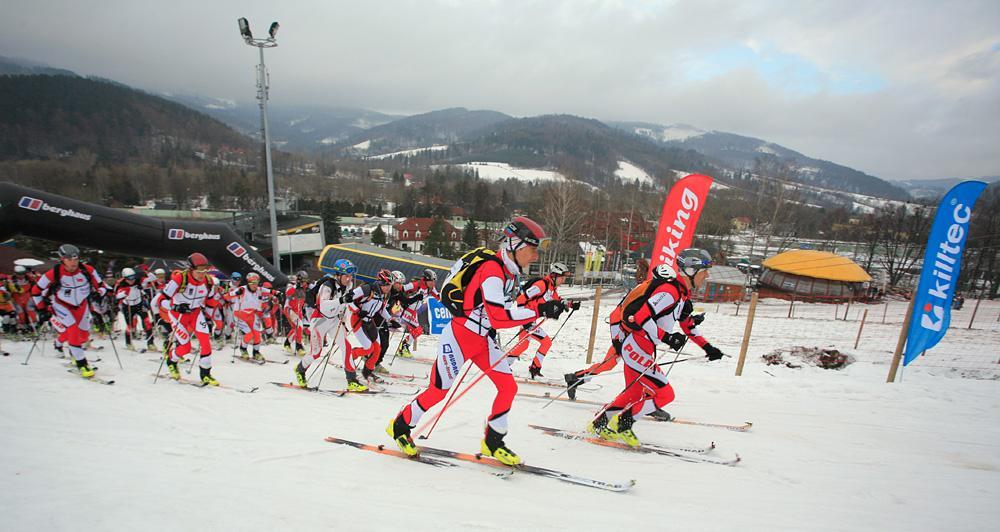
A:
x: 95, y: 297
x: 696, y: 319
x: 712, y: 352
x: 183, y: 308
x: 393, y: 324
x: 676, y: 341
x: 417, y: 331
x: 572, y: 305
x: 551, y: 309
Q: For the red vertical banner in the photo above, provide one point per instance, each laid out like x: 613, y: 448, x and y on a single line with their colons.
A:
x: 679, y: 218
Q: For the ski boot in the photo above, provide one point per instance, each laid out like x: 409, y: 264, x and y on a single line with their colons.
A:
x: 572, y: 381
x: 287, y: 346
x: 129, y: 346
x: 59, y: 349
x: 600, y: 427
x: 622, y: 425
x: 257, y: 357
x: 399, y: 431
x: 299, y: 350
x: 535, y: 371
x: 243, y: 354
x: 660, y: 415
x: 492, y: 445
x: 207, y: 378
x: 172, y: 369
x: 150, y: 345
x: 404, y: 350
x: 381, y: 370
x: 370, y: 376
x: 300, y: 376
x: 353, y: 385
x: 85, y: 370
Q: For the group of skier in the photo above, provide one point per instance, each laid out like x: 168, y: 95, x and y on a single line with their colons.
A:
x: 337, y: 313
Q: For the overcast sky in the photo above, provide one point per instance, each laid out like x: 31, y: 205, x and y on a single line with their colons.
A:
x: 898, y: 89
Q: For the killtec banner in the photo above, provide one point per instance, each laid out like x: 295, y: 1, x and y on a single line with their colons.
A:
x: 942, y: 264
x: 680, y: 216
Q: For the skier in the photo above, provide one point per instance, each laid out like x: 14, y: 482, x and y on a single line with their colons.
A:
x: 396, y: 300
x: 366, y: 302
x: 187, y: 293
x: 649, y: 313
x: 475, y: 292
x: 69, y: 286
x: 270, y: 309
x: 328, y: 302
x: 417, y: 290
x: 21, y: 283
x: 129, y: 299
x: 294, y: 307
x: 533, y: 293
x: 248, y: 307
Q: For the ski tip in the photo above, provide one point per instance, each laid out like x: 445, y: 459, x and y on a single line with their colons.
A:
x: 712, y: 446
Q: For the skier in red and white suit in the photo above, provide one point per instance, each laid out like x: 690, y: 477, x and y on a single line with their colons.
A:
x: 187, y: 293
x: 332, y: 292
x: 540, y: 291
x: 69, y: 302
x: 416, y: 292
x: 471, y: 335
x: 367, y: 302
x: 129, y: 298
x: 294, y: 308
x: 248, y: 309
x: 647, y: 388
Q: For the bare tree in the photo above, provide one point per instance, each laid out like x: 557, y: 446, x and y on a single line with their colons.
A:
x: 562, y: 216
x: 903, y: 237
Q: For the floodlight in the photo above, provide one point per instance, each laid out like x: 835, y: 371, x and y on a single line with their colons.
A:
x: 273, y: 31
x: 245, y: 28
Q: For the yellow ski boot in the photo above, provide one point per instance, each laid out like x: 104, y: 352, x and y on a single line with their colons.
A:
x: 492, y: 445
x: 207, y: 378
x: 399, y: 431
x: 622, y: 427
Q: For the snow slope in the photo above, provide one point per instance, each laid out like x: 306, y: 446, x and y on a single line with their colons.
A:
x: 493, y: 171
x: 629, y: 172
x: 829, y: 450
x: 403, y: 153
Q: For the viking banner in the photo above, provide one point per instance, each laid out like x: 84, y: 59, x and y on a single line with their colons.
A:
x: 679, y: 218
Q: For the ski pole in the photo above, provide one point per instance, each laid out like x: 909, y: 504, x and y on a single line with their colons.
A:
x: 568, y: 316
x: 479, y: 378
x: 451, y: 396
x: 115, y: 349
x: 329, y: 352
x: 398, y: 347
x: 166, y: 353
x: 634, y: 381
x: 33, y: 344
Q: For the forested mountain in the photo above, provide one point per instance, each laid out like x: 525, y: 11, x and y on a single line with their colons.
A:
x: 46, y: 117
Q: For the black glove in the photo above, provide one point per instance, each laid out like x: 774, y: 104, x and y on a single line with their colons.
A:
x: 676, y: 341
x: 183, y: 308
x: 95, y: 297
x: 712, y: 352
x: 551, y: 309
x: 572, y: 305
x: 696, y: 319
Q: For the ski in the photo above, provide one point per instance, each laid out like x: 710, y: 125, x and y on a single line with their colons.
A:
x: 556, y: 384
x: 341, y: 393
x: 738, y: 428
x: 92, y: 379
x: 269, y: 361
x: 199, y: 384
x: 743, y: 427
x: 381, y: 449
x: 532, y: 470
x: 250, y: 361
x: 398, y: 376
x: 674, y: 452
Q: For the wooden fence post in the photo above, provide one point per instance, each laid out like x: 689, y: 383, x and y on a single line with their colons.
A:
x: 860, y: 328
x: 902, y: 341
x: 848, y: 309
x: 836, y: 311
x: 737, y: 308
x: 746, y: 335
x: 885, y: 311
x: 974, y: 311
x: 791, y: 302
x: 593, y: 324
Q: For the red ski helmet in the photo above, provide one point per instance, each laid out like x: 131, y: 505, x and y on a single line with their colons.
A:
x: 197, y: 260
x: 523, y: 231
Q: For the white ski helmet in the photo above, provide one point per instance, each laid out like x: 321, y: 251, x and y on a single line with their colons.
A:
x: 128, y: 273
x: 664, y: 272
x: 19, y: 269
x: 253, y: 278
x: 159, y: 271
x: 398, y: 277
x: 559, y: 268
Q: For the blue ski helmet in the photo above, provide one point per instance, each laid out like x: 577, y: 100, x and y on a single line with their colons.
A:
x: 344, y: 267
x: 236, y: 276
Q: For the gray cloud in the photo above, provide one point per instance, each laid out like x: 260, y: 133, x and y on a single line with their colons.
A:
x: 933, y: 112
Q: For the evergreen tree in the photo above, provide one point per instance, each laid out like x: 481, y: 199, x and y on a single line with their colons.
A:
x: 470, y: 234
x: 436, y: 244
x: 378, y: 236
x: 331, y: 223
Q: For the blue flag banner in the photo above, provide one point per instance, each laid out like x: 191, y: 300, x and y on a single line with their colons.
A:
x: 438, y: 315
x: 942, y: 264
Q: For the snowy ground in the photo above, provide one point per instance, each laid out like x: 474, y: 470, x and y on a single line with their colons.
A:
x: 829, y: 450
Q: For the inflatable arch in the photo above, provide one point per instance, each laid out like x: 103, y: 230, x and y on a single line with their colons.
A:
x: 39, y: 214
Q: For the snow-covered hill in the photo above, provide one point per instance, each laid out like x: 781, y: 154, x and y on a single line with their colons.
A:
x: 829, y: 450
